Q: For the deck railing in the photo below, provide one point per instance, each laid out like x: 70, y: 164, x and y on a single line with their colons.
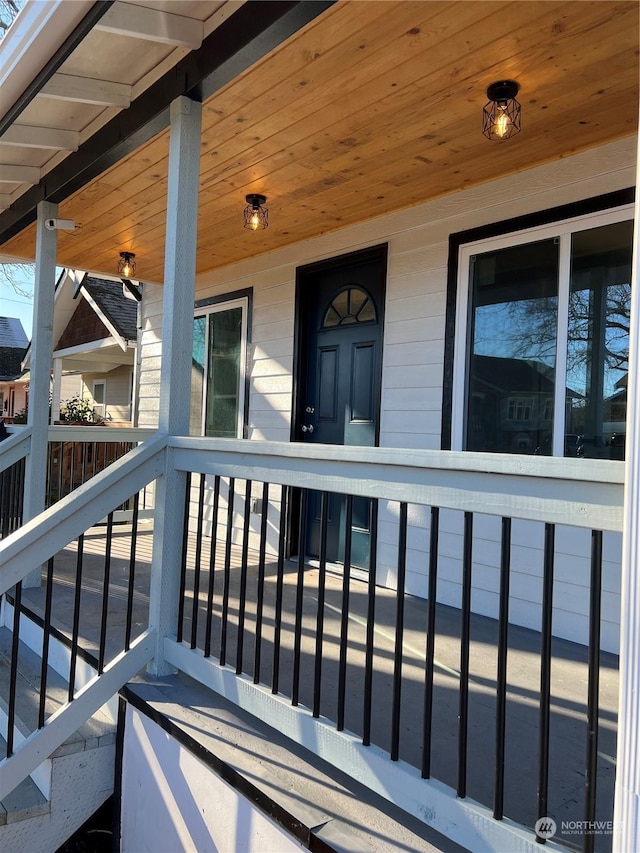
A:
x: 75, y: 454
x: 361, y: 651
x: 39, y: 542
x: 319, y: 634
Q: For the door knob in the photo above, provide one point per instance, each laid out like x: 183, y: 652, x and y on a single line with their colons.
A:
x: 306, y: 428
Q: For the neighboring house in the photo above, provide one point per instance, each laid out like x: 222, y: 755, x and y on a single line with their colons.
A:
x: 424, y: 301
x: 95, y: 345
x: 14, y: 380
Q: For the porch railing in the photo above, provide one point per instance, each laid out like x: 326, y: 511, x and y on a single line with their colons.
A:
x: 40, y: 542
x: 322, y: 645
x: 75, y: 454
x: 364, y: 654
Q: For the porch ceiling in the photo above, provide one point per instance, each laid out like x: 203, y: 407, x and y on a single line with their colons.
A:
x: 368, y: 108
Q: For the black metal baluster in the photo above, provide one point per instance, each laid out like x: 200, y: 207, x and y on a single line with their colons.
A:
x: 132, y: 571
x: 13, y: 669
x: 227, y: 574
x: 183, y: 562
x: 322, y: 574
x: 60, y: 469
x: 427, y: 718
x: 46, y: 634
x: 545, y: 672
x: 501, y: 677
x: 242, y: 605
x: 297, y: 635
x: 344, y: 621
x: 593, y: 689
x: 465, y: 631
x: 371, y: 621
x: 397, y: 660
x: 277, y: 625
x: 105, y: 594
x: 212, y: 566
x: 75, y: 628
x: 198, y: 559
x: 260, y: 591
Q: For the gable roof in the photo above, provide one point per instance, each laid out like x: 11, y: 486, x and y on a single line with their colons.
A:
x: 117, y: 309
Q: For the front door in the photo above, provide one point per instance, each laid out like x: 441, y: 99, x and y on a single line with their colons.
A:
x: 340, y: 321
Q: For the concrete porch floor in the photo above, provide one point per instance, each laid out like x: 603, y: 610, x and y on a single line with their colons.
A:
x: 568, y: 680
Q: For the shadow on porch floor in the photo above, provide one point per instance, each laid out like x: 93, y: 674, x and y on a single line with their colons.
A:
x: 568, y: 677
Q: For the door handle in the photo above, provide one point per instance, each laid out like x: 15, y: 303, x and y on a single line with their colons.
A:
x: 308, y: 429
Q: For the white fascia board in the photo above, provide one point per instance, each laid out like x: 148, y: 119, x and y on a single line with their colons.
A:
x: 81, y: 349
x: 32, y: 39
x: 156, y: 25
x: 122, y: 342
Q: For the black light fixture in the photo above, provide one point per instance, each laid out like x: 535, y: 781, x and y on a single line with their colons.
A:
x: 501, y: 115
x: 255, y: 215
x: 126, y: 265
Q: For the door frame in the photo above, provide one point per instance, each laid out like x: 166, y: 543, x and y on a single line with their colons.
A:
x: 377, y: 253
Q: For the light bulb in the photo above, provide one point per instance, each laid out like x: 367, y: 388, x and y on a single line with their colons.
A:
x: 126, y: 269
x: 502, y: 125
x: 255, y: 220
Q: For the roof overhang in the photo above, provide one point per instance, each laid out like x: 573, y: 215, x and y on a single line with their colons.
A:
x: 336, y: 112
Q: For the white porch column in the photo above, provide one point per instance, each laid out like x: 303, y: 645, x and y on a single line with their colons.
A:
x: 175, y: 381
x: 40, y: 368
x: 626, y: 811
x: 57, y: 390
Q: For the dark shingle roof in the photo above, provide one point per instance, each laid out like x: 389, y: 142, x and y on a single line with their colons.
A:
x: 12, y: 334
x: 108, y: 296
x: 10, y: 361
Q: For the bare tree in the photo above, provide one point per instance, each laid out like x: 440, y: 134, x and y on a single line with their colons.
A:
x: 8, y: 10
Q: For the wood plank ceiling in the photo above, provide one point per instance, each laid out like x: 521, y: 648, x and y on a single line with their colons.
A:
x: 372, y: 107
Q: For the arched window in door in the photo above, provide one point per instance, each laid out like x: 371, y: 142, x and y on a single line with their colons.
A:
x: 350, y: 305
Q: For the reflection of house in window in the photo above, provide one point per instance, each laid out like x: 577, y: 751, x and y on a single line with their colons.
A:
x: 511, y: 409
x: 519, y: 409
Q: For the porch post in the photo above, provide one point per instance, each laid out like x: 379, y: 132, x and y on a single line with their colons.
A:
x: 175, y: 373
x: 40, y: 368
x: 626, y: 811
x: 57, y: 390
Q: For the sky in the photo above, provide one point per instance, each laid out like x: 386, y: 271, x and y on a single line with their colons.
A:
x: 13, y: 304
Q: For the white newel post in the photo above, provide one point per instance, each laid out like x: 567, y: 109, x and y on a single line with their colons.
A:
x: 175, y: 381
x: 40, y: 368
x: 627, y: 791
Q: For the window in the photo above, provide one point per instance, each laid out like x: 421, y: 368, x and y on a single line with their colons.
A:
x: 542, y: 340
x: 99, y: 398
x: 218, y: 369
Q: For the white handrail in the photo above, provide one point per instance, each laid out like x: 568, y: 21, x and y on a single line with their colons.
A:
x: 15, y: 448
x: 584, y: 493
x: 32, y: 544
x: 70, y: 432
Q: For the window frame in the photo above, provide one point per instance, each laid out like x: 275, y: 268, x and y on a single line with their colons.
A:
x: 95, y: 405
x: 216, y: 305
x: 560, y: 228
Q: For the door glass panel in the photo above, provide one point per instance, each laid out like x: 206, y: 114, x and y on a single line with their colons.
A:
x: 223, y: 380
x: 512, y: 360
x: 598, y: 341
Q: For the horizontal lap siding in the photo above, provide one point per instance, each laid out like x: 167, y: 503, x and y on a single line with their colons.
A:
x: 414, y: 339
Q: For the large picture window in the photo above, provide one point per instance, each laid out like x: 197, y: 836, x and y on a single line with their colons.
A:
x: 542, y: 340
x: 218, y: 369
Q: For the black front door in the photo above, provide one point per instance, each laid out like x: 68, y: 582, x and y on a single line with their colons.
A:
x: 340, y: 314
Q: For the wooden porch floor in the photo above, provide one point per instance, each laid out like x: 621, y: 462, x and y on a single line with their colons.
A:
x: 569, y: 671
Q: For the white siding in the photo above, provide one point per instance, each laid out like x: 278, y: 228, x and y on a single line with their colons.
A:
x: 117, y: 390
x: 413, y: 372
